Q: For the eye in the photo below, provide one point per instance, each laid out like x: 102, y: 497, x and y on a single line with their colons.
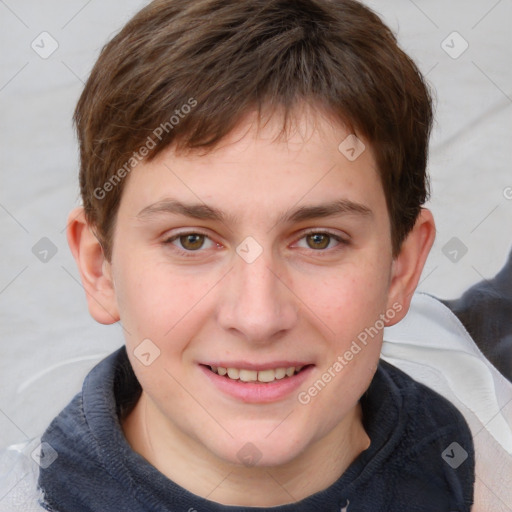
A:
x: 319, y: 240
x: 191, y: 242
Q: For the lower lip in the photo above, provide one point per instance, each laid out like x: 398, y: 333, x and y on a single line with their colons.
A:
x: 257, y: 392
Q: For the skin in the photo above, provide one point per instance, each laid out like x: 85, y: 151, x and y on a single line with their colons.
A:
x: 302, y: 299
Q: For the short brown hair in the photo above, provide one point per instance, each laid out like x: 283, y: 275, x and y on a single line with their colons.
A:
x: 223, y: 58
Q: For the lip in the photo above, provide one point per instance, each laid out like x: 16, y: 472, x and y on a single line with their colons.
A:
x: 256, y: 392
x: 257, y: 367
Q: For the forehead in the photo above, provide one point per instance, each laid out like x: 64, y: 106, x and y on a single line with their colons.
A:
x: 260, y: 167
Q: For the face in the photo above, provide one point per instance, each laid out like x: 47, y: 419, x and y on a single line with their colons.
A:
x: 264, y: 259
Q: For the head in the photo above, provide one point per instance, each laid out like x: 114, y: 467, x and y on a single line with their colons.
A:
x: 252, y: 176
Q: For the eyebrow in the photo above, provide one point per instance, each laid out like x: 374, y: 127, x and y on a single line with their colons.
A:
x: 334, y: 208
x: 174, y: 207
x: 202, y: 211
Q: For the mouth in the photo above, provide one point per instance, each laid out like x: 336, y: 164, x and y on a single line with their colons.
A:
x: 261, y: 376
x: 257, y: 384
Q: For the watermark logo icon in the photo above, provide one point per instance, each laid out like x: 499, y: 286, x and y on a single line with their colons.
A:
x: 44, y: 455
x: 454, y: 455
x: 351, y: 147
x: 44, y: 250
x: 146, y: 352
x: 249, y: 250
x: 249, y: 455
x: 454, y: 45
x: 44, y: 45
x: 454, y: 249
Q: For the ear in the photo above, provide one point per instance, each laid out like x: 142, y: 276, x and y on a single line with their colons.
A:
x: 95, y: 270
x: 408, y: 265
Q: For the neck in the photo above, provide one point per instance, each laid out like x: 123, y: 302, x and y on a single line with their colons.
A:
x: 190, y: 465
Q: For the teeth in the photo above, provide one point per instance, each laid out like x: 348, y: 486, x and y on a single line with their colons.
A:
x: 247, y: 375
x: 267, y: 375
x: 280, y: 373
x: 252, y: 375
x: 233, y: 373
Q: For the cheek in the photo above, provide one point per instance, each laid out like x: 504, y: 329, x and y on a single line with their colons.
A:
x: 350, y: 309
x: 154, y: 302
x: 348, y: 299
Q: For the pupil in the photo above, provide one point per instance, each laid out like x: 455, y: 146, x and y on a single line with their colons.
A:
x: 192, y: 242
x: 319, y: 241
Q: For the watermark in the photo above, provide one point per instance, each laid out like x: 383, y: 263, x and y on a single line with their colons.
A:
x: 249, y: 250
x: 454, y: 455
x: 44, y: 45
x: 44, y: 455
x: 44, y: 250
x: 249, y: 455
x: 143, y: 151
x: 352, y: 147
x: 146, y: 352
x: 507, y: 193
x: 454, y: 45
x: 357, y: 345
x: 454, y: 249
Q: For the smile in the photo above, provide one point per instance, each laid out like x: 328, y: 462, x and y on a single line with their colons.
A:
x: 259, y: 384
x: 265, y: 376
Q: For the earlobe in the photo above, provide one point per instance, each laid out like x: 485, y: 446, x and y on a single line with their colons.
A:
x: 408, y: 265
x: 95, y: 270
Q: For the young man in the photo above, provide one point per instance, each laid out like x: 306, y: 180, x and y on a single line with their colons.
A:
x: 253, y: 175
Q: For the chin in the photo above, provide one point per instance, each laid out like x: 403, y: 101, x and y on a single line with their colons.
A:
x: 258, y: 451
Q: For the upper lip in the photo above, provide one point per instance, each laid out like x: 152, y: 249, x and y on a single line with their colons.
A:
x: 244, y: 365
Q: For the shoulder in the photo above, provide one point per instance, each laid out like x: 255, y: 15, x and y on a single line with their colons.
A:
x: 433, y: 453
x: 90, y: 470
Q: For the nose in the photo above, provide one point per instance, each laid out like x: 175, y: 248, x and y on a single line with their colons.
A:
x: 257, y: 304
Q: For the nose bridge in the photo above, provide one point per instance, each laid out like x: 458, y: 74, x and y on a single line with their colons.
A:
x: 259, y: 305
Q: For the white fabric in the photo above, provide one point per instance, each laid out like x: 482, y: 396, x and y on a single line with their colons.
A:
x: 19, y: 473
x: 433, y: 347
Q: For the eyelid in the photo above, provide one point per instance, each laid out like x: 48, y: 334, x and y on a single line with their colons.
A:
x: 186, y: 231
x: 326, y: 231
x: 340, y: 237
x: 342, y: 241
x: 170, y: 239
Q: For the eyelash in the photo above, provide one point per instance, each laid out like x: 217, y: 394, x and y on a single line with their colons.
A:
x: 190, y: 254
x: 184, y: 252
